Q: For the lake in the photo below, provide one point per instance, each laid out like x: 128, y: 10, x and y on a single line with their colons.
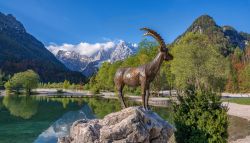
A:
x: 27, y: 119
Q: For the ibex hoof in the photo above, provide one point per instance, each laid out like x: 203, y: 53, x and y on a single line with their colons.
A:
x: 124, y: 106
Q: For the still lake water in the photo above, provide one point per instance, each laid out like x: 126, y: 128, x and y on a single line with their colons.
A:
x: 40, y: 119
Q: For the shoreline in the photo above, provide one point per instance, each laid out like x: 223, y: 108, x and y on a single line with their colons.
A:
x: 242, y: 111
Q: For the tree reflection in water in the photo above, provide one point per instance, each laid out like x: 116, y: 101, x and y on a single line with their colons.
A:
x: 24, y: 107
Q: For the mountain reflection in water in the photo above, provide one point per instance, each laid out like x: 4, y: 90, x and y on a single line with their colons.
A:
x: 61, y: 127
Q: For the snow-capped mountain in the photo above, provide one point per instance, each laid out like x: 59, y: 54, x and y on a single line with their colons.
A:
x: 88, y: 64
x: 122, y: 51
x: 73, y: 60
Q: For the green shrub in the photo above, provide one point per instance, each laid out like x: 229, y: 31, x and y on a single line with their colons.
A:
x: 7, y: 85
x: 95, y: 90
x: 66, y: 84
x: 199, y: 117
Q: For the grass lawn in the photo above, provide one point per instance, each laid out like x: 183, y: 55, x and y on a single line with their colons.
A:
x: 242, y: 100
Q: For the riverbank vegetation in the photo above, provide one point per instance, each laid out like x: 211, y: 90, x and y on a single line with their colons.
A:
x: 3, y: 79
x: 27, y: 81
x: 62, y: 85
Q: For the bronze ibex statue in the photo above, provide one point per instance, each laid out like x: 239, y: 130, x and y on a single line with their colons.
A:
x: 142, y: 75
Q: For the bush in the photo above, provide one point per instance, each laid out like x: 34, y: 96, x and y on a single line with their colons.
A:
x: 200, y: 118
x: 7, y: 85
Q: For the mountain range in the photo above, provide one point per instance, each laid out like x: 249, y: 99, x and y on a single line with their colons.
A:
x: 20, y: 51
x: 89, y: 64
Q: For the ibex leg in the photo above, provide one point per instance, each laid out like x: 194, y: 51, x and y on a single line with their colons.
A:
x: 143, y: 92
x: 120, y: 88
x: 147, y: 98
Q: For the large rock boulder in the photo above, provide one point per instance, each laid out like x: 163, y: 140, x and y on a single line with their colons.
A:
x: 130, y: 125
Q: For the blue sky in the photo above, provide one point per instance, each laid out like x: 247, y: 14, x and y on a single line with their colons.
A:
x: 75, y: 21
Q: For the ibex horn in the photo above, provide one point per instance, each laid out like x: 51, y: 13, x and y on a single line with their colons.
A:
x: 155, y: 35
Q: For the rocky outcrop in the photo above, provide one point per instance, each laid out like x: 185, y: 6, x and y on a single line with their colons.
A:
x: 132, y: 125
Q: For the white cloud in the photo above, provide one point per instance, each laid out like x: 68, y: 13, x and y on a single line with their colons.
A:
x: 83, y: 48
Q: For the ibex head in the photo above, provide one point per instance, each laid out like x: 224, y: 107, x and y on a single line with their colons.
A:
x: 158, y: 38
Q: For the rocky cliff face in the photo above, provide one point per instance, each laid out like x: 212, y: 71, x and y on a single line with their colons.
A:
x: 130, y: 125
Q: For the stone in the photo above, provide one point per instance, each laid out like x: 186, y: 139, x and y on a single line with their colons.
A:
x: 130, y: 125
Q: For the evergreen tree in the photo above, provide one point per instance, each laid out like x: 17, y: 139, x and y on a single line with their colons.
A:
x: 199, y: 117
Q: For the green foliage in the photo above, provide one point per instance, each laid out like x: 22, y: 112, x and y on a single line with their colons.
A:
x: 238, y: 53
x: 238, y: 80
x: 7, y: 85
x: 61, y: 85
x: 200, y: 118
x: 244, y: 79
x: 197, y: 63
x: 3, y: 78
x: 30, y: 80
x: 27, y: 80
x: 94, y: 89
x: 66, y: 84
x: 232, y: 81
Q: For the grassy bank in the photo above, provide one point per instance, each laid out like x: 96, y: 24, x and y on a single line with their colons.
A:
x: 243, y: 101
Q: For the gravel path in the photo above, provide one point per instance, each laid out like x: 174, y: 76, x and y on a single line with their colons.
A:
x: 245, y: 140
x: 242, y: 111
